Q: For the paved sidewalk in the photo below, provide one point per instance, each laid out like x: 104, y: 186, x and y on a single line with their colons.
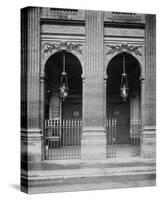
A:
x: 60, y: 175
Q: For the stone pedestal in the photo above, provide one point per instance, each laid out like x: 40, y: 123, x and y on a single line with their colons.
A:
x: 30, y: 146
x: 93, y: 137
x: 93, y: 144
x: 148, y: 142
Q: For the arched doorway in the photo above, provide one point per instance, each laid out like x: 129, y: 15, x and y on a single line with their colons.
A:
x: 72, y: 106
x: 63, y: 117
x: 127, y: 113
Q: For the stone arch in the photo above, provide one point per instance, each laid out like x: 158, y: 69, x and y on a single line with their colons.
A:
x: 54, y: 107
x: 136, y: 51
x: 67, y: 53
x: 127, y: 112
x: 51, y: 48
x: 127, y: 53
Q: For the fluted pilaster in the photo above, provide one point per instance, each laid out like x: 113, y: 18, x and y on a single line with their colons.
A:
x: 30, y: 86
x: 150, y: 73
x: 33, y: 66
x: 93, y: 86
x: 142, y: 101
x: 148, y: 91
x: 93, y: 138
x: 94, y: 43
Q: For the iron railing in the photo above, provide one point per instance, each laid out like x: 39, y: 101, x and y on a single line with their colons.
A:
x: 111, y: 131
x: 135, y: 135
x: 111, y: 137
x: 63, y: 138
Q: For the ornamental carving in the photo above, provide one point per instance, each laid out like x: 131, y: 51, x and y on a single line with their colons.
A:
x: 124, y: 48
x: 59, y: 46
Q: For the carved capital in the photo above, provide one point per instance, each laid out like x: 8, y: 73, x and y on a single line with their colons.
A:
x: 121, y: 48
x: 83, y: 78
x: 142, y: 79
x: 42, y: 79
x: 105, y: 78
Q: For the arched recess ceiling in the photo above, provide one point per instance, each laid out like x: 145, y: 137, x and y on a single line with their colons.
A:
x: 54, y: 67
x: 115, y: 70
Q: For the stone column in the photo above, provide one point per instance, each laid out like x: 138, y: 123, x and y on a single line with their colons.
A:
x: 93, y: 138
x: 148, y: 142
x: 30, y: 65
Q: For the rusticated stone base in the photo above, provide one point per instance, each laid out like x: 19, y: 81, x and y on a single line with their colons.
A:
x: 31, y: 146
x: 148, y: 142
x: 93, y: 145
x: 31, y: 153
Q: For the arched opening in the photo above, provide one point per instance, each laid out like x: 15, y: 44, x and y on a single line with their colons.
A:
x: 55, y: 108
x: 63, y: 117
x: 127, y: 113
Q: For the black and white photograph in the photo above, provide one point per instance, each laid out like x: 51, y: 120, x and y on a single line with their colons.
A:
x: 88, y: 99
x: 80, y: 100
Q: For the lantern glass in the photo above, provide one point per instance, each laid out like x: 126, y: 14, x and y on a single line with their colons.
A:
x: 64, y: 82
x: 124, y: 84
x: 124, y: 87
x: 63, y: 91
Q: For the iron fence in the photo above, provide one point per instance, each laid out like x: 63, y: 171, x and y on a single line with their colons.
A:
x: 135, y: 135
x: 111, y: 131
x: 112, y: 149
x: 63, y: 138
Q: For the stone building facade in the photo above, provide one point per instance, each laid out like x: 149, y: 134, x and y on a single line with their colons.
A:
x: 94, y: 43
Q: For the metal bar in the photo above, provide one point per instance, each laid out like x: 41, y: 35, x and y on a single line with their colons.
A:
x: 139, y: 135
x: 134, y: 136
x: 137, y: 138
x: 62, y: 138
x: 115, y: 129
x: 64, y: 133
x: 71, y: 145
x: 80, y: 137
x: 57, y: 134
x: 106, y: 129
x: 69, y: 136
x: 108, y: 138
x: 75, y: 135
x: 113, y: 137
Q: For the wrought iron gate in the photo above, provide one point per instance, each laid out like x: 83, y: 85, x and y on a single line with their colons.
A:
x: 135, y: 137
x: 111, y: 131
x: 134, y: 145
x: 63, y: 139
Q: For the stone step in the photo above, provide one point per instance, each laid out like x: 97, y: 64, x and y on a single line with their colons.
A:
x: 91, y: 179
x: 82, y: 164
x: 60, y: 175
x: 49, y: 175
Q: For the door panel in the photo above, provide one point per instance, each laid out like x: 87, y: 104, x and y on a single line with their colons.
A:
x: 72, y: 109
x: 121, y: 112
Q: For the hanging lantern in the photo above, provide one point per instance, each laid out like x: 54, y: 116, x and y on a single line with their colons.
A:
x: 124, y: 90
x: 64, y: 82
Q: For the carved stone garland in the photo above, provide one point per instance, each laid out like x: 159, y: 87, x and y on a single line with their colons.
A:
x: 124, y: 48
x: 50, y: 48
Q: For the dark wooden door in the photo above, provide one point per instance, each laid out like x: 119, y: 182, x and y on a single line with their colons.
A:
x: 72, y: 108
x: 122, y: 113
